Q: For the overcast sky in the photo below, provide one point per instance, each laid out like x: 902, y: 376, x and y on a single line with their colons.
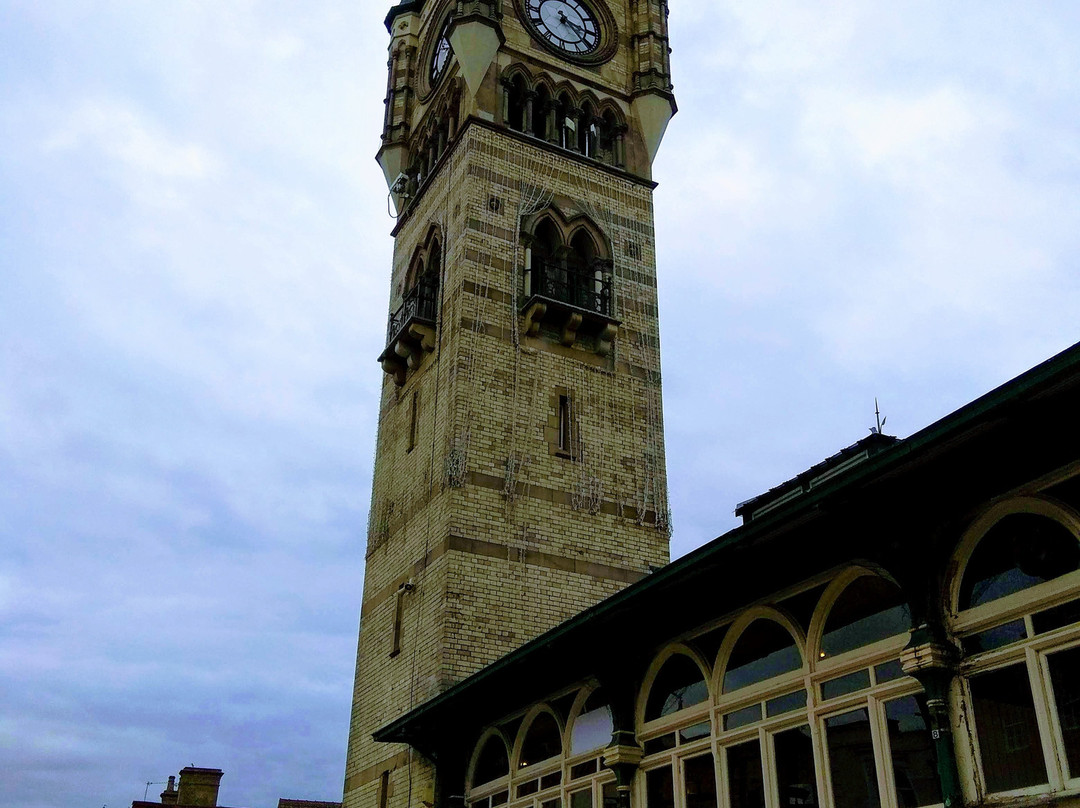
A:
x: 856, y: 199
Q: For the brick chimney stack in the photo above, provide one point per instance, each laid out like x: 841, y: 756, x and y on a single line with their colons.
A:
x: 169, y: 795
x: 198, y: 787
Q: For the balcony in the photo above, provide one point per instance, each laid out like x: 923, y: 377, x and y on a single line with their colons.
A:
x: 574, y: 302
x: 411, y: 331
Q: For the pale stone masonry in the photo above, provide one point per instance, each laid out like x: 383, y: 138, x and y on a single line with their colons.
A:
x: 519, y: 477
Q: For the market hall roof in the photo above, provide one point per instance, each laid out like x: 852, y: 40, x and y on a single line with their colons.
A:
x: 1006, y: 438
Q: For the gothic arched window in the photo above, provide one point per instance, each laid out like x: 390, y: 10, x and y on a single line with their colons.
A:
x: 515, y: 104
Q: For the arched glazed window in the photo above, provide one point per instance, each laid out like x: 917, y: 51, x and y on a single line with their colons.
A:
x: 592, y: 725
x: 1020, y: 551
x: 869, y: 609
x: 490, y: 775
x: 493, y: 762
x: 1017, y: 616
x: 677, y: 744
x: 679, y: 684
x: 874, y: 719
x: 763, y: 651
x: 543, y: 740
x: 545, y: 771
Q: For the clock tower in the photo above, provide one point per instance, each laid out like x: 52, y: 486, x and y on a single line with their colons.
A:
x: 519, y: 468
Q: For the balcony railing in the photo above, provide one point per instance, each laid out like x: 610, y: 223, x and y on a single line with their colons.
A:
x: 411, y: 330
x: 420, y: 303
x: 585, y: 289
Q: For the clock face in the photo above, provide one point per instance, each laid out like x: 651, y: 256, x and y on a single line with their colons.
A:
x: 441, y: 56
x: 569, y: 25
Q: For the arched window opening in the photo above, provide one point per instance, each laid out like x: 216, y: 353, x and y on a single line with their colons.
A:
x: 678, y: 685
x: 542, y: 113
x: 869, y: 609
x: 515, y: 107
x: 546, y: 240
x: 1020, y: 551
x: 764, y: 650
x: 593, y: 726
x: 492, y: 763
x: 585, y: 279
x: 565, y: 122
x: 542, y: 740
x: 606, y: 138
x: 586, y: 140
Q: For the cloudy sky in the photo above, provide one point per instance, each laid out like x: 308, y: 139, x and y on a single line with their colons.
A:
x: 857, y: 199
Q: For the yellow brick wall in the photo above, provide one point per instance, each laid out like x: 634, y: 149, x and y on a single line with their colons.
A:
x: 501, y: 569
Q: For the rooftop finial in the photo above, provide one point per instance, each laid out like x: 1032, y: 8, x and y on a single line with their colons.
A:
x: 876, y: 430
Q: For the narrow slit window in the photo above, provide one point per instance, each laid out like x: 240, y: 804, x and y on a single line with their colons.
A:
x: 412, y: 421
x: 384, y: 788
x: 399, y: 608
x: 564, y: 423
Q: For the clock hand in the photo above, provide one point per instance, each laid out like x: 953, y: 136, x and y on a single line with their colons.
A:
x: 573, y: 26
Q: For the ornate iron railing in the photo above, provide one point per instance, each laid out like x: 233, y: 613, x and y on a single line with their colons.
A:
x: 586, y: 289
x: 420, y: 303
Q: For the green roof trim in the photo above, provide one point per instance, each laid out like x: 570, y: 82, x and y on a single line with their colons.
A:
x: 1058, y: 368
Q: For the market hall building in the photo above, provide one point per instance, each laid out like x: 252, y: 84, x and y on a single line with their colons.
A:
x: 898, y: 626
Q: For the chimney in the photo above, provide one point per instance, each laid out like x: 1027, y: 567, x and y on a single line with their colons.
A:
x: 168, y: 796
x: 198, y: 787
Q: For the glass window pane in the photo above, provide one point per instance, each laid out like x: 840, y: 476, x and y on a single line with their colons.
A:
x: 1059, y: 616
x: 1020, y: 551
x: 1008, y: 732
x: 764, y: 650
x: 582, y: 769
x: 660, y: 793
x: 679, y: 684
x: 870, y: 609
x: 746, y: 785
x: 500, y: 798
x: 661, y: 744
x: 581, y: 799
x: 851, y: 760
x: 1065, y: 677
x: 609, y: 794
x: 693, y: 733
x: 699, y: 782
x: 592, y: 730
x: 740, y: 718
x: 914, y: 758
x: 549, y: 780
x: 849, y: 683
x: 887, y: 671
x: 542, y: 741
x: 795, y: 779
x: 786, y: 703
x: 556, y: 802
x: 996, y: 637
x: 530, y: 787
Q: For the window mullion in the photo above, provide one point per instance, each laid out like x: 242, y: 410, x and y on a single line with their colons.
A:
x: 879, y: 733
x: 768, y: 779
x: 1038, y: 675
